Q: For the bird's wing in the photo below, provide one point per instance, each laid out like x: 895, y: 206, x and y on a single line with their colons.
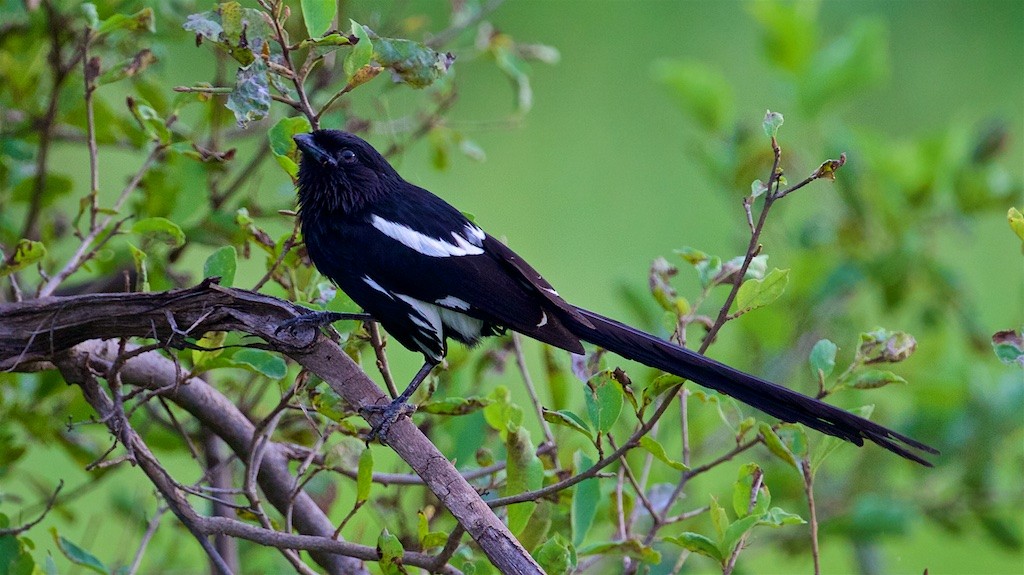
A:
x: 423, y: 248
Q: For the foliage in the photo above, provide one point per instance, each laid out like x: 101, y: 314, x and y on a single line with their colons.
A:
x: 599, y: 484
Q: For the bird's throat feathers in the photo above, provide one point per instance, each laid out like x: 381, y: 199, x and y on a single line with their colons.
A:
x: 324, y: 190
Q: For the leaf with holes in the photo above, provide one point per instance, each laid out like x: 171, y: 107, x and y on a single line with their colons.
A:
x: 26, y: 253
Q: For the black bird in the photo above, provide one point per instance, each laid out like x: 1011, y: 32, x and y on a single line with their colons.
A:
x: 426, y: 273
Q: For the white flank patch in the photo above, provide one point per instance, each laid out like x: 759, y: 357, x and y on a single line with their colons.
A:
x: 543, y: 319
x: 431, y: 318
x: 453, y: 303
x: 426, y: 245
x: 468, y: 327
x: 426, y: 315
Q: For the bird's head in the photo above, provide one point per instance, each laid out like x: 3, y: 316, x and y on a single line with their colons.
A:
x: 340, y: 171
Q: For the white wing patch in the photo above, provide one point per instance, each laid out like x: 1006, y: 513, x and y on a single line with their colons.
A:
x: 428, y: 246
x: 453, y: 302
x: 543, y: 319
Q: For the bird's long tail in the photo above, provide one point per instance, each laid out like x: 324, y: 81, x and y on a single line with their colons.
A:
x: 768, y: 397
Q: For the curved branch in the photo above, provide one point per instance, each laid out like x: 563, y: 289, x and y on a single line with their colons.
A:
x: 36, y: 330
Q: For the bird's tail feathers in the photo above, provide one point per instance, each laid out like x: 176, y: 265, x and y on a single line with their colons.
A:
x: 773, y: 399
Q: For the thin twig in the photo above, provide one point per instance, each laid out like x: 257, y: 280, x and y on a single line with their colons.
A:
x: 15, y: 531
x: 524, y: 370
x: 89, y: 71
x: 378, y: 344
x: 288, y: 245
x: 79, y: 257
x: 151, y: 528
x: 808, y: 477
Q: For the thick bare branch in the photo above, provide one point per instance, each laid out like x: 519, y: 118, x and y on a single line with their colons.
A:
x: 37, y: 330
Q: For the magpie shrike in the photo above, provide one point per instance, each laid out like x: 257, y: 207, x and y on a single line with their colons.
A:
x: 424, y: 271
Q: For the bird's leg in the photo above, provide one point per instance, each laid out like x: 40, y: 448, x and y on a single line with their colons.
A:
x: 318, y: 319
x: 399, y: 406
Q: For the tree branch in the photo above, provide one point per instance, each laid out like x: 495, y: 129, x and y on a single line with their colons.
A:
x: 38, y: 330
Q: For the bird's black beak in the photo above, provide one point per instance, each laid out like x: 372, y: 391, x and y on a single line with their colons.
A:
x: 309, y: 147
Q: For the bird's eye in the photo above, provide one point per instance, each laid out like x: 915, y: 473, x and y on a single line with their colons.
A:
x: 348, y: 156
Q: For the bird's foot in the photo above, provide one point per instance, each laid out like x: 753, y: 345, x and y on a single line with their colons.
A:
x: 316, y: 320
x: 390, y: 414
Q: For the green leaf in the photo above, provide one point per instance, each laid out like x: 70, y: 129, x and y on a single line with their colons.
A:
x: 758, y: 188
x: 222, y: 264
x: 735, y: 531
x: 250, y: 100
x: 823, y: 358
x: 390, y: 550
x: 699, y: 91
x: 776, y: 517
x: 142, y: 274
x: 1016, y: 219
x: 204, y: 25
x: 852, y: 62
x: 772, y: 122
x: 628, y: 548
x: 585, y: 499
x: 568, y: 419
x: 361, y: 53
x: 318, y: 15
x: 56, y: 186
x: 788, y: 32
x: 524, y: 472
x: 555, y: 556
x: 517, y: 70
x: 501, y: 413
x: 741, y: 492
x: 774, y: 444
x: 874, y: 378
x: 454, y: 405
x: 364, y: 476
x: 719, y: 519
x: 149, y: 120
x: 708, y: 267
x: 26, y: 253
x: 660, y: 385
x: 262, y: 361
x: 697, y: 543
x: 77, y: 555
x: 1007, y: 344
x: 283, y: 146
x: 210, y: 347
x: 658, y: 451
x: 143, y: 20
x: 429, y: 539
x: 604, y: 400
x: 884, y: 346
x: 92, y: 18
x: 128, y: 68
x: 160, y: 229
x: 755, y: 293
x: 411, y: 62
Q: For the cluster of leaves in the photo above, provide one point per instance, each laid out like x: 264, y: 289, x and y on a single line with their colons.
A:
x: 172, y: 196
x: 879, y: 233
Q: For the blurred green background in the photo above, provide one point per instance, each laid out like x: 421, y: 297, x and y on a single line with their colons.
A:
x: 609, y: 170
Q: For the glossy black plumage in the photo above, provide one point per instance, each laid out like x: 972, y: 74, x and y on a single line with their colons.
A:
x: 427, y: 274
